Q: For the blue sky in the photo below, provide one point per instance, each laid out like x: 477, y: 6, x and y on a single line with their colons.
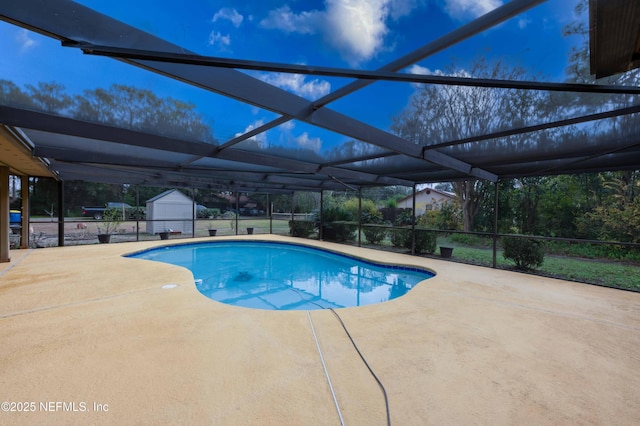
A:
x: 364, y: 34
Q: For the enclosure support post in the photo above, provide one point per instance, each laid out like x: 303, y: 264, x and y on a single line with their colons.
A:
x: 237, y: 194
x: 26, y: 215
x: 270, y: 209
x: 193, y: 213
x: 60, y: 213
x: 5, y: 230
x: 413, y: 221
x: 360, y: 217
x: 138, y: 210
x: 321, y: 218
x: 495, y: 224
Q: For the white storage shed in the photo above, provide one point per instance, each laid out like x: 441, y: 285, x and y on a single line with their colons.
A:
x: 170, y: 211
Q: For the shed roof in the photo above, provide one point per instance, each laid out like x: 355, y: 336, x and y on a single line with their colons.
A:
x: 366, y: 154
x: 169, y: 192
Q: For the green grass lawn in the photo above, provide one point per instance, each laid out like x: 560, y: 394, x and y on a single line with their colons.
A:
x: 260, y: 225
x: 593, y: 271
x: 606, y: 272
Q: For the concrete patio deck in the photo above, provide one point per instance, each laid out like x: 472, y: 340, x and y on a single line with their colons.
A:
x: 91, y: 337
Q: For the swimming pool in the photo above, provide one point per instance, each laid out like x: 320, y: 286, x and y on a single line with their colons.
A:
x: 282, y: 276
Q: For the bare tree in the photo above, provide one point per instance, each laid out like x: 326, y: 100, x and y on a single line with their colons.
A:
x: 439, y: 113
x: 49, y: 97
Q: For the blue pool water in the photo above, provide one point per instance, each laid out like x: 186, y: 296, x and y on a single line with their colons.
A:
x: 280, y: 276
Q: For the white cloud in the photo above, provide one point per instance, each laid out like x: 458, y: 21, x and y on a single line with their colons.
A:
x: 356, y: 28
x: 400, y: 8
x: 260, y: 138
x: 229, y: 14
x: 284, y: 19
x: 358, y: 25
x: 305, y: 142
x: 522, y: 23
x: 288, y: 125
x: 298, y: 84
x: 302, y: 141
x: 218, y: 39
x: 25, y: 42
x: 462, y: 9
x: 419, y: 69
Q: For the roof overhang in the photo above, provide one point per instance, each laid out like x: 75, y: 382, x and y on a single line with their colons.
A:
x: 614, y: 36
x: 17, y: 154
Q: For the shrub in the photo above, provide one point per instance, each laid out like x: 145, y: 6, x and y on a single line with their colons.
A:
x: 371, y: 216
x: 207, y: 213
x: 130, y: 213
x: 374, y: 234
x: 298, y: 228
x: 335, y: 226
x: 112, y: 218
x: 339, y: 232
x: 404, y: 217
x: 428, y: 219
x: 425, y: 241
x: 391, y: 203
x: 524, y: 252
x: 400, y: 237
x: 365, y: 206
x: 135, y: 212
x: 449, y: 217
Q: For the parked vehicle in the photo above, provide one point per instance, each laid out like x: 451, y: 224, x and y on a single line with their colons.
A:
x: 130, y: 212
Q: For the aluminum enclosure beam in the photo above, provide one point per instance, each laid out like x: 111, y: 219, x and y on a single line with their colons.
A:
x: 67, y: 126
x: 528, y: 129
x: 45, y: 122
x: 210, y: 61
x: 76, y: 170
x: 59, y: 19
x: 487, y: 21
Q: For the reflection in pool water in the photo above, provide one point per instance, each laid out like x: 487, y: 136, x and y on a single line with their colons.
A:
x: 280, y: 276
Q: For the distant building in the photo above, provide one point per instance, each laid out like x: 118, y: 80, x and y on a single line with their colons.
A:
x: 427, y: 199
x: 244, y: 204
x: 171, y: 210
